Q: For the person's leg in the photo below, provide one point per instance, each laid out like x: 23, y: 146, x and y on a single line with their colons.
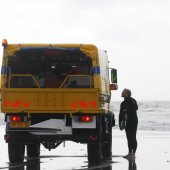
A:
x: 134, y: 140
x: 132, y: 143
x: 129, y: 139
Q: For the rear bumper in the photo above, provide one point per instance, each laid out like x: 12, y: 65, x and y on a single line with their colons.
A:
x: 26, y: 136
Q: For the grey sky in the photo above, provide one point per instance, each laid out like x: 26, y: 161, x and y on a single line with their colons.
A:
x: 135, y: 33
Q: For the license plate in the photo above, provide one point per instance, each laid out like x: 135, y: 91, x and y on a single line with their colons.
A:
x: 19, y: 124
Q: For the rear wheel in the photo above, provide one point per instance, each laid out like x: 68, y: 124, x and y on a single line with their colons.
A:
x: 16, y: 152
x: 33, y: 150
x: 107, y: 144
x: 95, y: 154
x: 95, y: 150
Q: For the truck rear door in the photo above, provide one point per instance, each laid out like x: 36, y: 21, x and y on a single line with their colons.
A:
x: 39, y: 100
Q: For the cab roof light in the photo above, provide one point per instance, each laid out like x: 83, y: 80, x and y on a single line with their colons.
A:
x: 4, y: 42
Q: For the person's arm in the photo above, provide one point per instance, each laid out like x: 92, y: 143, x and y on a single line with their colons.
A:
x: 121, y: 113
x: 136, y: 105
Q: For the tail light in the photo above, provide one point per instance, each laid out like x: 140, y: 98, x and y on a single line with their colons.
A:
x: 86, y: 119
x: 15, y: 118
x: 84, y: 122
x: 17, y: 121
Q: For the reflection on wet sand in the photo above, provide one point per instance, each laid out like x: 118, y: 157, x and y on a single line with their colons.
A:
x: 30, y: 165
x: 38, y: 164
x: 132, y: 165
x: 35, y: 165
x: 102, y: 166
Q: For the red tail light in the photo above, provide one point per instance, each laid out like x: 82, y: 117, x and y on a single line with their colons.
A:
x: 86, y: 118
x: 15, y: 118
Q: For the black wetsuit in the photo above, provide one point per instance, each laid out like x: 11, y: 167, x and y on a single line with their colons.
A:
x: 130, y: 105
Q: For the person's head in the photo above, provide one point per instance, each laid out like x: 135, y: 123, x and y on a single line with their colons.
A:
x: 126, y: 93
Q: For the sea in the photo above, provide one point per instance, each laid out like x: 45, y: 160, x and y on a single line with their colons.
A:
x: 152, y: 115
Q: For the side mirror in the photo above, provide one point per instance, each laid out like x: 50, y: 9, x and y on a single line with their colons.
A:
x: 114, y: 75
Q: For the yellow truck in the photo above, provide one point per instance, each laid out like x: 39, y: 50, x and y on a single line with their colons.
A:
x: 51, y: 93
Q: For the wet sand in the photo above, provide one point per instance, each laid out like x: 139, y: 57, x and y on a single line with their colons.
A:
x: 153, y: 153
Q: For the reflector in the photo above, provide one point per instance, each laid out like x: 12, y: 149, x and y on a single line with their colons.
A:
x: 17, y: 103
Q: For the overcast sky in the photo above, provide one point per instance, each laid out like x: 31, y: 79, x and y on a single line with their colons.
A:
x: 135, y: 33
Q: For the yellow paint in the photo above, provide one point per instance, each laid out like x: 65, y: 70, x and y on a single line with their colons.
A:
x: 46, y: 100
x: 49, y: 100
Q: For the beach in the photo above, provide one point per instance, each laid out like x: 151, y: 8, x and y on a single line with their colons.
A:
x: 153, y: 153
x: 153, y: 150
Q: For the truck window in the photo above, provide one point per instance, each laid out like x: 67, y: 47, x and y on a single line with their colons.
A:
x: 77, y: 81
x: 20, y: 81
x: 50, y: 67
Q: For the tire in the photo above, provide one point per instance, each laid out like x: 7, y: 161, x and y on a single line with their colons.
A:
x: 107, y: 144
x: 107, y: 147
x: 33, y: 150
x: 95, y: 154
x: 16, y: 152
x: 95, y: 150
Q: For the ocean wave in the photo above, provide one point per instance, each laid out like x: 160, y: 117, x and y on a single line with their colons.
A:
x: 152, y: 115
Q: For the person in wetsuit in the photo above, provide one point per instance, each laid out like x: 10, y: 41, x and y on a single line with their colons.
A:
x: 129, y: 107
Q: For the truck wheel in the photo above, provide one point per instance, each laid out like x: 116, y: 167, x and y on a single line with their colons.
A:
x: 33, y: 150
x: 16, y: 152
x: 107, y: 147
x: 107, y: 144
x: 95, y: 154
x: 95, y: 150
